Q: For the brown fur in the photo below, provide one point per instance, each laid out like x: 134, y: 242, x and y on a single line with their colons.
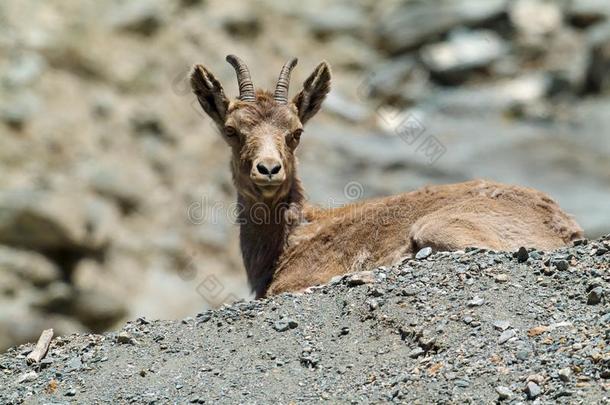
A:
x: 288, y: 246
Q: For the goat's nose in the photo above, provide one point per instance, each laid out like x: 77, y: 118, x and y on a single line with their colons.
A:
x: 269, y: 168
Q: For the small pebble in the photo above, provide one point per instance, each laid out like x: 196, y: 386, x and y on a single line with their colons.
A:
x: 503, y: 392
x: 408, y: 292
x: 27, y: 377
x: 415, y: 353
x: 565, y: 374
x: 561, y: 265
x: 532, y: 390
x: 501, y: 325
x: 283, y: 325
x: 476, y: 302
x: 506, y: 335
x: 522, y: 255
x: 595, y: 296
x: 423, y: 253
x: 363, y: 277
x: 125, y: 338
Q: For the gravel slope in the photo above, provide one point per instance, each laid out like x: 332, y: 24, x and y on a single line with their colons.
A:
x: 458, y: 327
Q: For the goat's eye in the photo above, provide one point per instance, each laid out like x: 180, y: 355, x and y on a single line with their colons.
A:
x: 230, y: 132
x: 297, y: 134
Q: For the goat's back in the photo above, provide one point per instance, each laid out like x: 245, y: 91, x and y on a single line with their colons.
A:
x: 447, y: 217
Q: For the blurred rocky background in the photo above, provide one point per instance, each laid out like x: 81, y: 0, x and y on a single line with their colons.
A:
x: 115, y: 191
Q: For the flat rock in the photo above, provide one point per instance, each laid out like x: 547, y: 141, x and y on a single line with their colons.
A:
x: 30, y: 266
x: 54, y: 220
x: 536, y: 17
x: 363, y: 277
x: 415, y: 23
x: 462, y: 52
x: 423, y: 253
x: 506, y: 336
x: 504, y: 392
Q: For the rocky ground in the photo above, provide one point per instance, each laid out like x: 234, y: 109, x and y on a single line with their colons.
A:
x: 463, y: 327
x: 115, y: 191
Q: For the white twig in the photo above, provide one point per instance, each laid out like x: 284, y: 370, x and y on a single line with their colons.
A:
x: 42, y: 346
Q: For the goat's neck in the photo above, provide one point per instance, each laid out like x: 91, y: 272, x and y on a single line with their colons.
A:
x: 264, y: 231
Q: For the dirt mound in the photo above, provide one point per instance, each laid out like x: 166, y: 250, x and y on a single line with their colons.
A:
x: 474, y: 326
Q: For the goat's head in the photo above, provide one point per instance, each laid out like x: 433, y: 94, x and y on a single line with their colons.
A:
x: 262, y: 129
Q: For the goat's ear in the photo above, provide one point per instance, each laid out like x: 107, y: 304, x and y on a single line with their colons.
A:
x: 210, y: 94
x: 315, y: 89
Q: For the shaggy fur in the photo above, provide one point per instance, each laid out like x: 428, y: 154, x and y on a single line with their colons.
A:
x: 288, y: 245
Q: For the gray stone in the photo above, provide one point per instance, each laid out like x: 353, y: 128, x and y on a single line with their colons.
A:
x: 535, y: 17
x: 97, y: 309
x: 283, y: 325
x: 595, y: 296
x: 56, y: 297
x: 598, y: 80
x: 532, y: 390
x: 584, y: 13
x: 565, y: 374
x: 506, y: 336
x: 476, y: 302
x: 338, y: 19
x: 373, y: 304
x: 504, y: 392
x: 501, y: 325
x: 363, y: 277
x: 423, y: 253
x: 16, y: 111
x: 522, y: 255
x: 242, y: 24
x: 30, y: 266
x: 141, y: 17
x: 27, y: 377
x: 412, y: 24
x: 126, y: 182
x: 24, y: 70
x: 74, y: 364
x: 567, y: 58
x: 450, y: 61
x: 53, y: 220
x: 125, y: 337
x: 415, y: 353
x: 386, y: 79
x: 345, y: 108
x: 561, y: 265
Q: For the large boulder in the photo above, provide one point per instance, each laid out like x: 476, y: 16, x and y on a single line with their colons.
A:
x: 536, y: 17
x: 587, y: 12
x: 464, y: 51
x: 28, y: 266
x: 410, y: 25
x: 598, y: 79
x: 48, y: 221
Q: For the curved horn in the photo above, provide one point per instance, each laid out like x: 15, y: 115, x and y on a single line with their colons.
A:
x: 281, y: 89
x: 246, y: 88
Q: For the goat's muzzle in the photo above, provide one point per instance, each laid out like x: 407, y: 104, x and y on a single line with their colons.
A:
x: 268, y: 175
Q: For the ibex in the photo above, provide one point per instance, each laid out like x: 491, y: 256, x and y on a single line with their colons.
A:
x: 288, y: 245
